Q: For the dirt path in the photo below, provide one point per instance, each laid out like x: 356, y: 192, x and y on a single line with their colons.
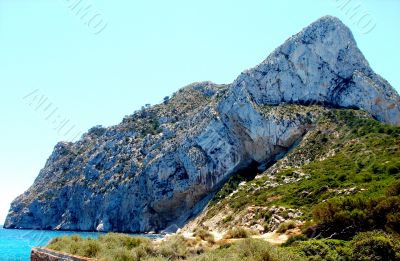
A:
x: 273, y: 238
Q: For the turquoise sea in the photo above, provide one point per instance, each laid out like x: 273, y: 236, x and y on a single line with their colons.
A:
x: 16, y: 245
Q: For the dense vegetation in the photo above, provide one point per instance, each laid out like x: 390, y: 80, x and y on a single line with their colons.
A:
x: 372, y: 245
x: 343, y: 217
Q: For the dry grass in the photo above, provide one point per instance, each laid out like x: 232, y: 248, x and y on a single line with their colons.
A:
x: 239, y: 232
x: 204, y: 235
x: 117, y: 247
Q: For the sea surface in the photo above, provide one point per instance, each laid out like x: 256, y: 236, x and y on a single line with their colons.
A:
x: 16, y: 245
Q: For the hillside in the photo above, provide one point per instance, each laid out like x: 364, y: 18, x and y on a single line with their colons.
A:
x: 162, y: 165
x: 335, y: 196
x: 346, y: 154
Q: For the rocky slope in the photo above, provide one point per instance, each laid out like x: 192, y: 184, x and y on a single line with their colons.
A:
x: 162, y: 164
x: 346, y: 155
x: 335, y: 196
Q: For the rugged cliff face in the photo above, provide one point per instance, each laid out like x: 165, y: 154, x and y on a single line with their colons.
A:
x: 162, y: 164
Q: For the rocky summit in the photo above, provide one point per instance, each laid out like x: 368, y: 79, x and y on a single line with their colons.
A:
x: 160, y: 166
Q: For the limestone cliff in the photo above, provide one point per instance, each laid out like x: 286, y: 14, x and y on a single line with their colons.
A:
x: 161, y: 165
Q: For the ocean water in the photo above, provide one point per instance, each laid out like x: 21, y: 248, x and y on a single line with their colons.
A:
x: 16, y: 245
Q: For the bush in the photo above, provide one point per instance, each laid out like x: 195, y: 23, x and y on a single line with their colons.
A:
x: 173, y: 248
x: 386, y: 214
x: 111, y: 246
x: 393, y: 169
x: 143, y: 251
x: 249, y: 250
x: 374, y: 245
x: 238, y: 232
x: 204, y: 235
x: 294, y: 239
x: 283, y: 227
x: 227, y: 219
x: 323, y: 249
x: 117, y: 254
x: 90, y: 248
x: 114, y: 247
x: 394, y: 189
x: 343, y: 217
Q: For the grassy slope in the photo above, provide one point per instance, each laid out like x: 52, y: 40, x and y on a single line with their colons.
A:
x: 346, y: 150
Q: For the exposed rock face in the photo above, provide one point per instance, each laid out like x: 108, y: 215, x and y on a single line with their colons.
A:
x: 162, y: 164
x: 323, y: 65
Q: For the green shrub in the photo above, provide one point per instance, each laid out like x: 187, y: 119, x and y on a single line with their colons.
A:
x: 90, y: 248
x: 393, y: 168
x: 323, y: 249
x: 204, y: 235
x: 143, y: 251
x: 374, y: 245
x: 394, y: 189
x: 117, y: 254
x: 173, y: 248
x: 227, y: 219
x: 283, y: 227
x: 263, y: 214
x: 293, y: 239
x: 249, y: 250
x: 111, y: 246
x: 357, y: 213
x: 386, y: 214
x: 237, y: 232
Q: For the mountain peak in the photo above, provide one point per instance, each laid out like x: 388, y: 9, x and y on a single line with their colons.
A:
x: 321, y: 65
x: 324, y: 28
x: 329, y: 19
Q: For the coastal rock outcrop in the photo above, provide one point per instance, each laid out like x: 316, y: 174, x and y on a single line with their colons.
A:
x: 161, y: 165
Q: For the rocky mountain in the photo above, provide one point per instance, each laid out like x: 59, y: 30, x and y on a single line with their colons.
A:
x: 346, y: 166
x: 163, y: 164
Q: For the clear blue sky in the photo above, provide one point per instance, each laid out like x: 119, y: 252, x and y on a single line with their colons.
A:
x: 148, y: 50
